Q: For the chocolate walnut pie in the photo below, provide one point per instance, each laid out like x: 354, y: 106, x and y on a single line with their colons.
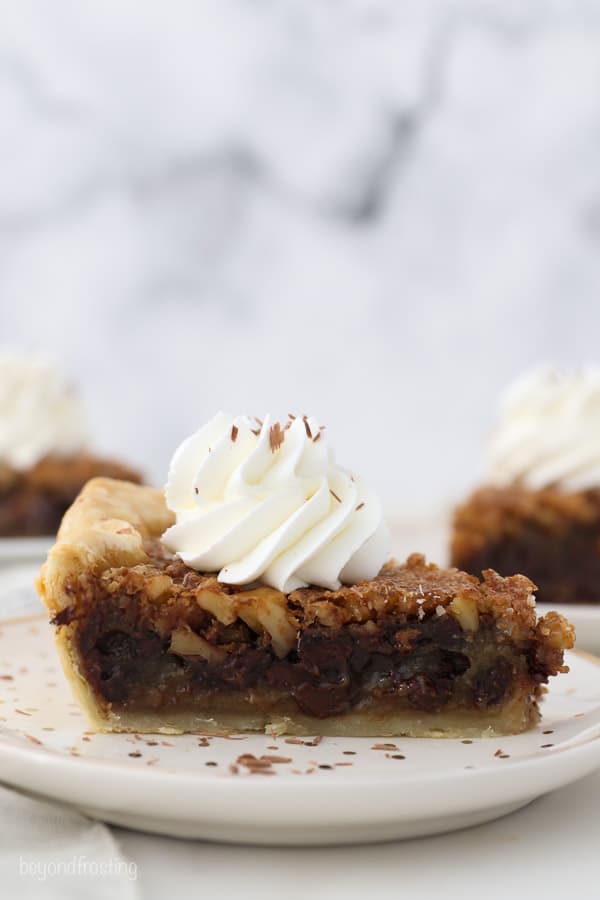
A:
x: 151, y: 645
x: 34, y: 500
x: 538, y: 510
x: 551, y: 534
x: 44, y: 456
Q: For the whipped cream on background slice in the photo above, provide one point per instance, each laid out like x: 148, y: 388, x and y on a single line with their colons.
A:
x: 549, y: 431
x: 267, y: 502
x: 40, y: 412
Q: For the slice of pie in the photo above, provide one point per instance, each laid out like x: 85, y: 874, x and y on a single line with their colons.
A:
x: 34, y: 500
x: 538, y: 507
x: 551, y: 534
x: 152, y: 645
x: 44, y: 447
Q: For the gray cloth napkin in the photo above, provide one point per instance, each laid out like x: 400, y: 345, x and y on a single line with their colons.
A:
x: 48, y: 851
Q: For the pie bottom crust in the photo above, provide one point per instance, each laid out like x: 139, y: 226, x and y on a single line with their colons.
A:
x: 108, y: 573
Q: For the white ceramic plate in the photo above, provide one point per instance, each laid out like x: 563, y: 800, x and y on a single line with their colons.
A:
x: 17, y: 596
x: 22, y: 549
x: 301, y: 791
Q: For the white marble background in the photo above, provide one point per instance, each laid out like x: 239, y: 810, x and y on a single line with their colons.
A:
x: 377, y: 212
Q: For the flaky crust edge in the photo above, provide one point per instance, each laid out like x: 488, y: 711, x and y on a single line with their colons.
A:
x: 105, y: 527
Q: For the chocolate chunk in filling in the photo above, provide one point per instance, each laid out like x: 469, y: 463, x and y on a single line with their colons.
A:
x: 427, y: 664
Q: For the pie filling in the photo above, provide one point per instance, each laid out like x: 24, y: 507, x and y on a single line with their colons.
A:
x: 395, y: 661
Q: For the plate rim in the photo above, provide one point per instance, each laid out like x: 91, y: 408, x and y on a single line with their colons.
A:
x: 197, y: 799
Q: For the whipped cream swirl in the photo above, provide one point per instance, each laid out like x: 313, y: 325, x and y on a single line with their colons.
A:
x: 549, y: 433
x: 40, y: 412
x: 258, y: 501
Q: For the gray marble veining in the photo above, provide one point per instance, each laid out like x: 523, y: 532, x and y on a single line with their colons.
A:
x: 374, y: 211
